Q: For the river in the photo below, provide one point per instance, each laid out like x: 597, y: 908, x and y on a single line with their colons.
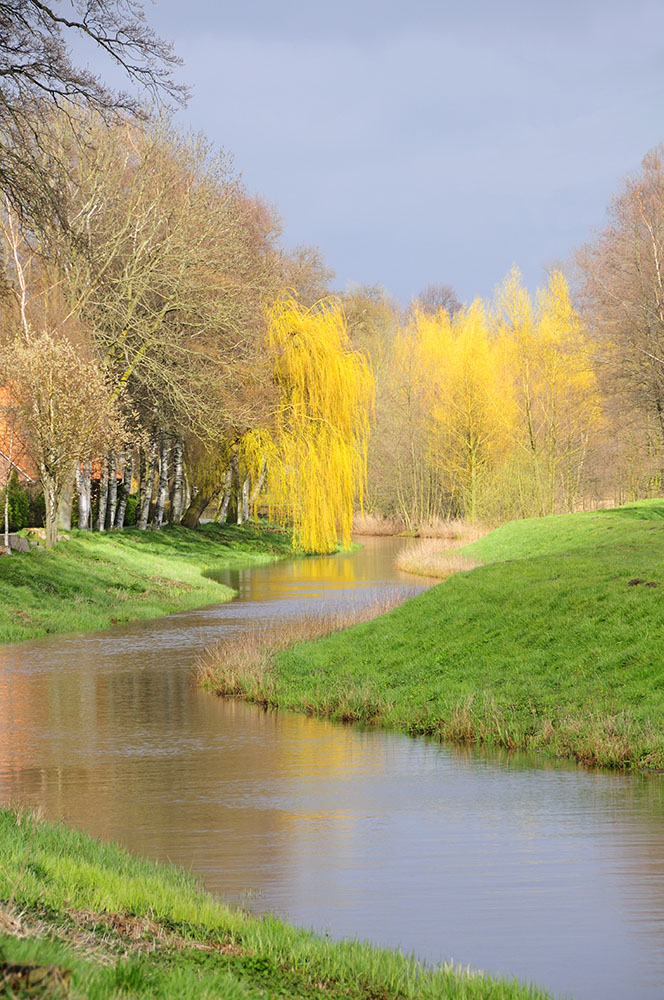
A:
x: 508, y: 863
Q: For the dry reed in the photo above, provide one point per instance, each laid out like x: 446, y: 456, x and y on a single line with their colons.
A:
x: 453, y: 530
x: 434, y: 557
x: 373, y: 524
x: 240, y: 666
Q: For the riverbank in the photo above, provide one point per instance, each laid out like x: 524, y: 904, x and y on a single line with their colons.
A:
x: 93, y: 580
x: 109, y: 924
x: 554, y: 644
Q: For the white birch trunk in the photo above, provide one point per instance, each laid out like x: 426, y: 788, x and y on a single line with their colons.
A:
x: 246, y: 489
x: 177, y: 498
x: 126, y: 487
x: 112, y: 490
x: 103, y: 495
x: 83, y: 488
x: 163, y: 483
x: 51, y: 501
x: 147, y: 483
x: 222, y: 509
x: 7, y: 478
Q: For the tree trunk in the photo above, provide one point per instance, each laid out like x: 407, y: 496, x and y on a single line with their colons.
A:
x: 83, y: 488
x: 255, y: 493
x: 126, y: 488
x: 163, y: 483
x: 243, y: 508
x: 64, y: 507
x: 236, y: 500
x: 51, y: 516
x: 112, y: 490
x: 147, y: 481
x: 195, y: 509
x: 7, y: 478
x: 225, y: 495
x: 177, y: 497
x: 103, y: 495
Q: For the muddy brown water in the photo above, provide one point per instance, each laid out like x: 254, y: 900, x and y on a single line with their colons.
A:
x: 508, y: 863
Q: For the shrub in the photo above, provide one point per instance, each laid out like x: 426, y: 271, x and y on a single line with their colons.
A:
x: 19, y: 504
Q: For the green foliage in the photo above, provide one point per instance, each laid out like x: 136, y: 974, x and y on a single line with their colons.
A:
x: 19, y: 504
x: 37, y: 512
x: 554, y: 644
x: 131, y: 511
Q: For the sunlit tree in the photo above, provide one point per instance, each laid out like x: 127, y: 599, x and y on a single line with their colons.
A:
x: 316, y: 449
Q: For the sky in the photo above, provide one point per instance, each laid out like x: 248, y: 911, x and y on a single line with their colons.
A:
x: 427, y: 141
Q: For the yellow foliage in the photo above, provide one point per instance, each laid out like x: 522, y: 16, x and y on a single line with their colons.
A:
x: 554, y: 384
x: 467, y: 400
x: 316, y: 453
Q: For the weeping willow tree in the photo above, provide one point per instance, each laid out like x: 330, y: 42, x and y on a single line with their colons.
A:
x: 316, y: 451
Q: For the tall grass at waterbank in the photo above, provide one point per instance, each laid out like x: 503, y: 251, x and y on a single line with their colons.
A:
x: 453, y: 530
x: 95, y: 922
x: 92, y: 580
x: 433, y: 557
x: 554, y: 644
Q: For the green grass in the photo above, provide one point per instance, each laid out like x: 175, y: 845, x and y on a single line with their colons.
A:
x: 93, y: 580
x: 550, y: 645
x: 129, y: 927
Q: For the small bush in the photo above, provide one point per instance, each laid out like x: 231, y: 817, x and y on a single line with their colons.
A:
x: 19, y: 504
x: 131, y: 512
x: 37, y: 514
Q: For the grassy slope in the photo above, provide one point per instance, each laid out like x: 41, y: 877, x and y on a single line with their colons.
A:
x: 126, y: 926
x: 94, y: 580
x: 546, y: 646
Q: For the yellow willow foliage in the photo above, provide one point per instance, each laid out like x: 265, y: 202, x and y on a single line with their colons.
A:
x: 470, y: 405
x: 555, y: 387
x: 317, y: 452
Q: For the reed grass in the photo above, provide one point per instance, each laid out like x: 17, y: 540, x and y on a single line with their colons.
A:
x: 240, y: 665
x: 454, y: 530
x: 434, y: 557
x: 375, y: 524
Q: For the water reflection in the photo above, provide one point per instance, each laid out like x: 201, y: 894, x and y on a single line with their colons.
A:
x: 513, y: 864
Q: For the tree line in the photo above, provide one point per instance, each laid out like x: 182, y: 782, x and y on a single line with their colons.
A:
x: 162, y: 354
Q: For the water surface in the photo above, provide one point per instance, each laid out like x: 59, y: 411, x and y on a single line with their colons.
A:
x: 504, y: 862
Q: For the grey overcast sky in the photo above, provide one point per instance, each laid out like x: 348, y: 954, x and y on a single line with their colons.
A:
x: 427, y: 141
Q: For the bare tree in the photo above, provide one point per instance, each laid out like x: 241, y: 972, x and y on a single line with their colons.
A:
x: 622, y: 290
x: 436, y: 296
x: 65, y: 410
x: 37, y: 73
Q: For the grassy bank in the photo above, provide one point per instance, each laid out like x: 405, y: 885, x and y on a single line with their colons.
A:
x: 115, y: 926
x: 554, y: 644
x: 91, y: 581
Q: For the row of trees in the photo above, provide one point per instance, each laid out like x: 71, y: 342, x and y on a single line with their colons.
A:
x: 138, y: 341
x: 485, y: 412
x: 520, y: 407
x: 148, y: 345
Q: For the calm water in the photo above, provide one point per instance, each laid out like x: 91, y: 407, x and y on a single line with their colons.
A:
x: 509, y: 864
